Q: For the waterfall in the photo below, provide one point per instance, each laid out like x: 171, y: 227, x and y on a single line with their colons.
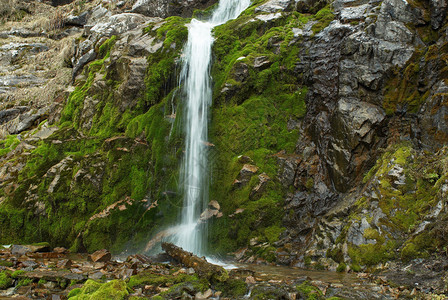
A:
x: 196, y: 83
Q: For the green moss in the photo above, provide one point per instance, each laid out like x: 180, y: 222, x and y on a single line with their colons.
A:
x: 161, y: 70
x: 309, y: 291
x: 355, y: 267
x: 341, y: 267
x: 5, y: 280
x: 8, y: 144
x: 422, y: 245
x: 115, y: 289
x: 104, y: 49
x: 401, y: 91
x: 17, y: 273
x: 336, y: 254
x: 24, y: 282
x: 5, y: 263
x: 324, y: 18
x: 74, y: 292
x: 404, y: 205
x: 272, y: 233
x: 233, y: 288
x: 372, y: 254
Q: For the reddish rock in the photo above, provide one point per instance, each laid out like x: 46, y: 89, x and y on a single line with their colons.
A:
x: 64, y: 264
x: 102, y: 255
x: 60, y: 250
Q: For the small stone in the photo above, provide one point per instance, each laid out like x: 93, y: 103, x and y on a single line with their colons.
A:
x: 240, y: 253
x: 250, y: 280
x: 243, y: 159
x: 162, y: 289
x: 247, y: 168
x: 190, y: 271
x: 214, y: 205
x: 126, y: 274
x: 64, y: 264
x: 261, y: 62
x: 30, y: 264
x: 96, y: 276
x: 102, y: 255
x: 207, y: 294
x: 254, y: 241
x: 50, y: 285
x: 218, y: 294
x: 73, y: 276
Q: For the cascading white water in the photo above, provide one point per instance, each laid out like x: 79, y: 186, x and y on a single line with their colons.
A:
x: 196, y: 82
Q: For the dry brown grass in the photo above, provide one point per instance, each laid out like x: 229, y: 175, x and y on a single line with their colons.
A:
x: 56, y: 20
x: 12, y: 10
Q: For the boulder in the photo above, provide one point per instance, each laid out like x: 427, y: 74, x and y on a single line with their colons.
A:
x: 117, y: 24
x: 23, y: 249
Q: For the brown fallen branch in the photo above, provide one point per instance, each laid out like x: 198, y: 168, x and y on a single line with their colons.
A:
x: 202, y: 267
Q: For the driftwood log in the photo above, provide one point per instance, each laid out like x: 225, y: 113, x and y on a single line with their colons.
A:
x: 202, y: 267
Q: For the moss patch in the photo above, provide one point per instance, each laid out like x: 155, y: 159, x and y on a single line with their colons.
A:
x: 115, y: 289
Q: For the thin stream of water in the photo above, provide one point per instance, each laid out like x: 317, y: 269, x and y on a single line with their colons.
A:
x: 196, y: 83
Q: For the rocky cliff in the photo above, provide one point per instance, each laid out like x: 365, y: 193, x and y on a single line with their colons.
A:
x: 327, y: 142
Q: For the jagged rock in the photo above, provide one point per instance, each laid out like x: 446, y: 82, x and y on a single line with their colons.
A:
x: 9, y: 114
x: 95, y: 15
x: 82, y: 61
x: 350, y: 14
x: 144, y: 45
x: 211, y: 211
x: 355, y: 233
x: 260, y: 187
x: 166, y: 8
x: 261, y: 62
x: 311, y: 6
x: 79, y: 20
x: 245, y: 174
x: 64, y: 264
x: 269, y: 17
x: 11, y: 82
x: 438, y: 12
x: 241, y: 72
x: 433, y: 117
x: 397, y: 173
x: 272, y: 6
x: 116, y: 25
x: 102, y: 255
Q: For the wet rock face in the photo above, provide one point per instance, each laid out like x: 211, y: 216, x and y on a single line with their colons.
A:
x: 166, y: 8
x: 434, y: 117
x: 60, y: 2
x: 345, y: 115
x: 438, y: 12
